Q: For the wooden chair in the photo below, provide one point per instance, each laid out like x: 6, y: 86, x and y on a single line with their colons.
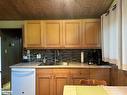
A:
x: 92, y: 82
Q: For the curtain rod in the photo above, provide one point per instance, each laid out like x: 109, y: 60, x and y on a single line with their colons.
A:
x: 113, y: 8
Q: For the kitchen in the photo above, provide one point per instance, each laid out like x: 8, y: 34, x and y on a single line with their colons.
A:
x: 62, y: 42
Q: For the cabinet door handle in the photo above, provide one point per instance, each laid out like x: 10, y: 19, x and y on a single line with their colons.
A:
x: 60, y: 77
x: 45, y: 77
x: 78, y: 77
x: 23, y: 73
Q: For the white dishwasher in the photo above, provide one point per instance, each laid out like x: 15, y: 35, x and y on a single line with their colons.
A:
x: 23, y: 81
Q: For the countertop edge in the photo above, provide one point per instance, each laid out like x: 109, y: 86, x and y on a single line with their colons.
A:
x: 44, y: 67
x: 77, y: 65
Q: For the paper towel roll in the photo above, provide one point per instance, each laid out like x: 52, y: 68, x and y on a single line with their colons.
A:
x: 82, y: 57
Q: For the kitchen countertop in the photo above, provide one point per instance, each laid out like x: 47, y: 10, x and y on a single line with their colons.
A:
x: 26, y: 65
x: 71, y: 65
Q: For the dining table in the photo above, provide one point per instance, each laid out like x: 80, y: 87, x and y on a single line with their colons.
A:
x: 94, y: 90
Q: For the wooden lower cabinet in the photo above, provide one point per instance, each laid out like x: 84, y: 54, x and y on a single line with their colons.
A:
x: 61, y: 78
x: 78, y: 74
x: 59, y: 83
x: 44, y: 80
x: 44, y: 85
x: 100, y: 74
x: 52, y: 81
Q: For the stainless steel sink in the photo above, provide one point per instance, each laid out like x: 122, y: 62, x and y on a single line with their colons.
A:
x: 54, y: 64
x: 46, y: 64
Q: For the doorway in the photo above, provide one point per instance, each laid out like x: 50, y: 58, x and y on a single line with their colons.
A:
x: 11, y: 53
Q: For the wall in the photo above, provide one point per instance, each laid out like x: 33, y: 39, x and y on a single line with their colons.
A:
x: 11, y: 24
x: 11, y: 50
x: 68, y: 55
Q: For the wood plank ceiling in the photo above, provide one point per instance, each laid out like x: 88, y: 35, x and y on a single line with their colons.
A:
x: 52, y: 9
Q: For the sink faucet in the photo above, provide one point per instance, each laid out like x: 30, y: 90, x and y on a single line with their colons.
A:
x: 55, y: 57
x: 44, y: 59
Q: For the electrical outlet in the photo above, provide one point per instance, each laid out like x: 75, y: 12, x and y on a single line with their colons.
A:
x: 38, y: 56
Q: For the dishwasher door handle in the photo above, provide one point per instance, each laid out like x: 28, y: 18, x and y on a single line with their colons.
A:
x: 22, y: 73
x: 22, y: 70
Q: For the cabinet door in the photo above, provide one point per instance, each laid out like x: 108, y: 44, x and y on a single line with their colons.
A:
x: 32, y: 34
x: 79, y: 74
x: 44, y: 82
x: 61, y: 78
x: 44, y: 85
x: 72, y: 33
x: 52, y: 33
x: 100, y: 74
x: 91, y: 33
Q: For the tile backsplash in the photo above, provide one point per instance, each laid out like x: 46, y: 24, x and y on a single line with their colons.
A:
x: 57, y: 55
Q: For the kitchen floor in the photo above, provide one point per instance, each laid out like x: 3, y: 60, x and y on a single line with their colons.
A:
x: 6, y: 90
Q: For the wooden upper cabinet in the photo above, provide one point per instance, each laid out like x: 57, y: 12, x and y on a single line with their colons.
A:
x: 32, y: 34
x: 72, y: 33
x: 52, y: 33
x: 62, y: 34
x: 91, y: 33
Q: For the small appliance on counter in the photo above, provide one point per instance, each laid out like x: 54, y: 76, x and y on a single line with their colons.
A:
x: 82, y: 57
x: 26, y: 57
x: 94, y: 57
